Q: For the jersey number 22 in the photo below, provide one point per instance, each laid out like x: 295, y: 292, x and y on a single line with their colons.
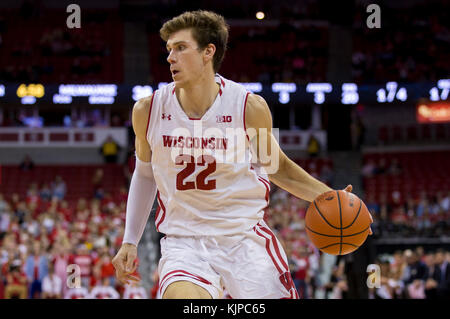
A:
x: 200, y: 180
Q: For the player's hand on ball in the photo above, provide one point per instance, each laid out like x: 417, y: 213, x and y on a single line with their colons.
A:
x: 349, y: 189
x: 124, y: 263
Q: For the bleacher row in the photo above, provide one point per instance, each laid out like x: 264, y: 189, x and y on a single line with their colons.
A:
x: 268, y: 50
x: 413, y: 133
x: 43, y: 45
x: 38, y: 47
x: 78, y: 179
x: 421, y: 172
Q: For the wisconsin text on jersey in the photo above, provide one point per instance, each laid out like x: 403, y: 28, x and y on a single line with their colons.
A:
x: 217, y: 143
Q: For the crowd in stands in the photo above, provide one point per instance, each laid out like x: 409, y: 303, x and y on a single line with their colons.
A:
x: 397, y: 213
x: 405, y: 275
x: 46, y: 241
x: 411, y: 45
x: 50, y: 52
x: 414, y: 274
x: 159, y: 12
x: 52, y: 249
x: 286, y: 52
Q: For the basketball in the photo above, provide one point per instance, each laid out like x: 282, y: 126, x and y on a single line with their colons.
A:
x: 337, y: 222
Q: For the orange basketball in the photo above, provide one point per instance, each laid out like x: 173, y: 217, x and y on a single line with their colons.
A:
x: 337, y: 222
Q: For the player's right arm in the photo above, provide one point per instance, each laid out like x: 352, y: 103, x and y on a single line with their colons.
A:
x: 139, y: 120
x: 141, y: 195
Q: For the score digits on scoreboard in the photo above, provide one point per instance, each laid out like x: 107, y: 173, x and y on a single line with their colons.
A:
x: 29, y: 93
x: 391, y: 93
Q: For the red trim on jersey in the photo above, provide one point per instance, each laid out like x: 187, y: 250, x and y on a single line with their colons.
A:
x: 182, y: 273
x: 245, y: 106
x: 149, y: 114
x: 275, y: 245
x: 158, y: 210
x: 222, y: 81
x: 268, y: 182
x: 268, y: 250
x: 292, y: 290
x: 264, y: 181
x: 163, y: 209
x: 173, y: 91
x: 294, y: 294
x: 267, y: 190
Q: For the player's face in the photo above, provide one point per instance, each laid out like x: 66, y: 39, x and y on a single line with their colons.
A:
x: 186, y: 61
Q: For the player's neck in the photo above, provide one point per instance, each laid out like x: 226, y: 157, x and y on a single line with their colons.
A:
x: 198, y: 97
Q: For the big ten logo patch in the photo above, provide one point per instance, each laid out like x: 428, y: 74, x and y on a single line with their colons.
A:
x: 223, y: 119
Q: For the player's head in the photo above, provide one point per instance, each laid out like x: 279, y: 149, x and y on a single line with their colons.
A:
x: 196, y: 42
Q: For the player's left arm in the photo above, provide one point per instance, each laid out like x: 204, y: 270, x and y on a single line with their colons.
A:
x: 288, y: 175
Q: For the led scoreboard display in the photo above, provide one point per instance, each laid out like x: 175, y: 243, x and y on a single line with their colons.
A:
x: 283, y: 93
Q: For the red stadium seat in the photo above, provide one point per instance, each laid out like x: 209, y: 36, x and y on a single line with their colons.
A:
x: 411, y: 133
x: 397, y: 133
x: 441, y: 132
x: 426, y: 132
x: 383, y: 134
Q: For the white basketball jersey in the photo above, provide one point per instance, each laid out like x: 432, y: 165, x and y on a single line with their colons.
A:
x: 203, y: 168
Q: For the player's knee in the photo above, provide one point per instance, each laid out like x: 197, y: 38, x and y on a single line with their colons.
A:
x: 185, y: 290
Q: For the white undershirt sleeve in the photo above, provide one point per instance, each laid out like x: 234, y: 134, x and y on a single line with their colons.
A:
x: 141, y: 196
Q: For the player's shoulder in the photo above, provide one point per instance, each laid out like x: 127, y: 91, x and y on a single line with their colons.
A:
x: 257, y: 112
x: 141, y: 111
x: 256, y: 103
x: 256, y: 100
x: 253, y: 102
x: 142, y: 105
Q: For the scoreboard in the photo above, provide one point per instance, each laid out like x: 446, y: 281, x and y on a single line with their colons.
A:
x: 283, y: 93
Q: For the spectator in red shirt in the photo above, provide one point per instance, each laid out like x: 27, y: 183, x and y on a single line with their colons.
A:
x: 301, y: 273
x: 399, y: 216
x: 154, y: 290
x: 84, y: 260
x: 65, y: 210
x: 33, y: 195
x: 122, y: 195
x: 106, y: 268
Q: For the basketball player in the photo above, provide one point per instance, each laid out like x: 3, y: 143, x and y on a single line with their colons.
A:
x: 210, y: 212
